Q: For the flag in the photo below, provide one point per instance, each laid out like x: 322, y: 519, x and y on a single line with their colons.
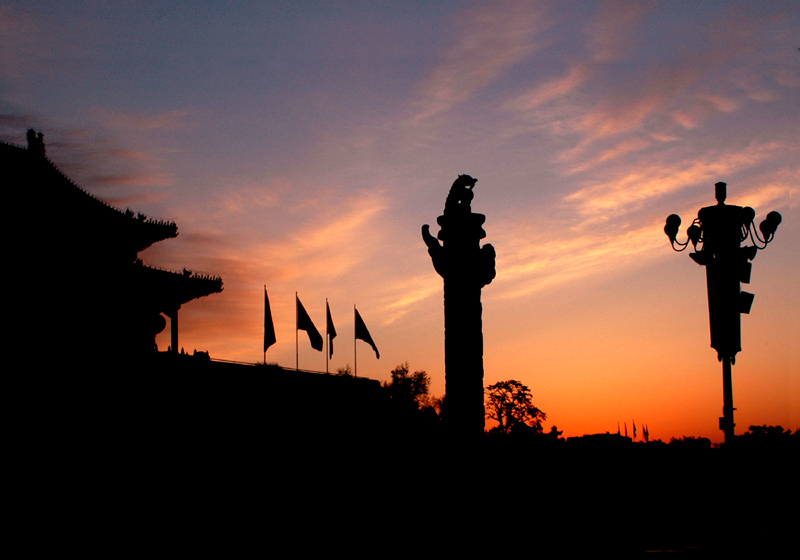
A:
x: 304, y: 323
x: 331, y: 331
x: 363, y: 334
x: 269, y: 327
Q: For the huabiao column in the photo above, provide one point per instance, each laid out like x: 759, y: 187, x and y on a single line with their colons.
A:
x: 466, y: 268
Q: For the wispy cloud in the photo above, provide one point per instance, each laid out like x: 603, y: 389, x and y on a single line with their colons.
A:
x: 291, y: 243
x: 551, y: 90
x: 635, y: 185
x: 532, y: 264
x: 781, y: 190
x: 618, y: 150
x: 619, y: 218
x: 631, y: 110
x: 143, y: 121
x: 613, y: 34
x: 701, y: 107
x: 243, y: 200
x: 488, y: 40
x: 403, y: 295
x: 535, y: 262
x: 612, y: 95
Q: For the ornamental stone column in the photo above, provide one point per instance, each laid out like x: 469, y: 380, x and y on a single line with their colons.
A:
x: 466, y: 268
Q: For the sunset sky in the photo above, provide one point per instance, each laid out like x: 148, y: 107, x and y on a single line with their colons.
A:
x: 302, y: 145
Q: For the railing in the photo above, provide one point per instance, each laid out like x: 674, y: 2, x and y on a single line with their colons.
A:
x: 255, y: 364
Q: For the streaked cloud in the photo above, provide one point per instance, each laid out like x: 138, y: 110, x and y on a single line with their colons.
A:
x: 243, y: 200
x: 402, y: 295
x: 620, y: 149
x: 255, y: 238
x: 551, y: 90
x: 545, y: 262
x: 534, y: 261
x: 661, y: 175
x: 612, y: 34
x: 487, y: 41
x: 171, y: 120
x: 781, y: 190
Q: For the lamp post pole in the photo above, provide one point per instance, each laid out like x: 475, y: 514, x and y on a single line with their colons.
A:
x: 720, y: 231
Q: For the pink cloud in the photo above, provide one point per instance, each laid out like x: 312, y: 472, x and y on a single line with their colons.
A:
x: 634, y: 185
x: 167, y: 120
x: 686, y: 120
x: 552, y: 90
x: 612, y: 35
x: 622, y: 148
x: 489, y: 40
x: 700, y: 108
x: 134, y: 180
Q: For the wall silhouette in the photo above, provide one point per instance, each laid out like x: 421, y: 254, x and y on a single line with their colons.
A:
x: 466, y: 268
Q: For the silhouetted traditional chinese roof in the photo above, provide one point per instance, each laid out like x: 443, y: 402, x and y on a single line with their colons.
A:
x: 169, y: 290
x: 131, y: 232
x: 82, y: 275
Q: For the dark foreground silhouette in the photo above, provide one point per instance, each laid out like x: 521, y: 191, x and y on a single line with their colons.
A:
x: 263, y: 457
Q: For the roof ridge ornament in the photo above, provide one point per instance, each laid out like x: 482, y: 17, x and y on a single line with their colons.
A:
x: 36, y: 142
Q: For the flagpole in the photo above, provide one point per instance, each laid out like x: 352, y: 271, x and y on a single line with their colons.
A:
x: 327, y: 353
x: 355, y: 346
x: 265, y: 323
x: 296, y: 337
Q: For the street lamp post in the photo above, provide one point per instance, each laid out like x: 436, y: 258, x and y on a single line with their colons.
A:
x: 719, y: 231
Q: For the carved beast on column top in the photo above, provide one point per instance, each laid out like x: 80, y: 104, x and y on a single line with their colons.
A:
x: 462, y: 230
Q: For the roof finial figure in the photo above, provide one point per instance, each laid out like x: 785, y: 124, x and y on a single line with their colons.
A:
x: 35, y: 142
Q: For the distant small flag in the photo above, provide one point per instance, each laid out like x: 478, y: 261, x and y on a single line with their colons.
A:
x: 331, y: 330
x: 362, y: 333
x: 634, y: 429
x: 304, y: 323
x: 269, y: 326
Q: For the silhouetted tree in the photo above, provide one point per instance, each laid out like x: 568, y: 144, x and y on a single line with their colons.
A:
x: 768, y: 433
x: 268, y: 365
x: 345, y: 371
x: 409, y: 389
x: 773, y: 437
x: 437, y: 404
x: 412, y: 408
x: 689, y: 443
x: 510, y: 403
